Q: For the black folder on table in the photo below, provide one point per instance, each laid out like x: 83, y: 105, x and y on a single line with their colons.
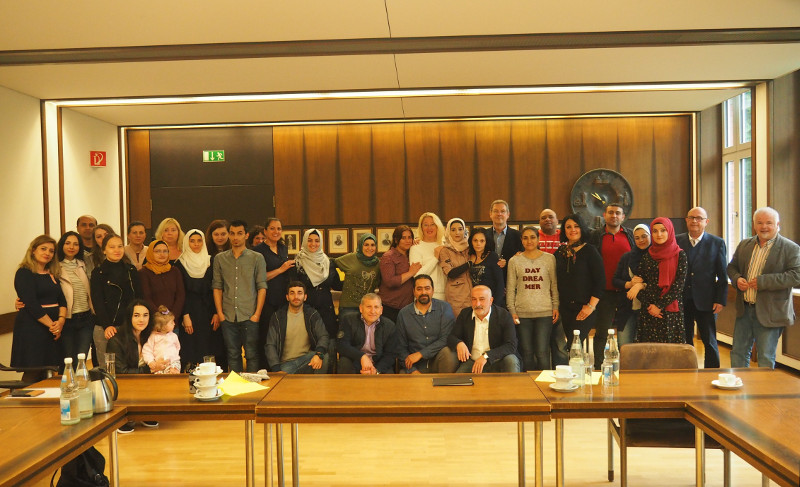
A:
x: 453, y: 381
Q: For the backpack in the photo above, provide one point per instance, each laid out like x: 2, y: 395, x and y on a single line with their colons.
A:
x: 85, y: 470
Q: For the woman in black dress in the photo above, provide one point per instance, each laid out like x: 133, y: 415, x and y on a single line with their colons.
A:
x: 38, y: 325
x: 217, y: 242
x: 484, y: 269
x: 198, y: 308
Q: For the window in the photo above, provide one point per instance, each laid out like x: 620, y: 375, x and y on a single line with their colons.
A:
x: 737, y: 170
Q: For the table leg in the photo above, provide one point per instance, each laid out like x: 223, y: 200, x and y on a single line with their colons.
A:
x: 268, y: 455
x: 295, y: 460
x: 113, y: 459
x: 279, y: 447
x: 249, y: 467
x: 521, y: 452
x: 559, y: 453
x: 538, y: 432
x: 699, y: 455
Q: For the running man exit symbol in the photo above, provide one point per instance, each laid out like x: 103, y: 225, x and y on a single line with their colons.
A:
x: 213, y: 156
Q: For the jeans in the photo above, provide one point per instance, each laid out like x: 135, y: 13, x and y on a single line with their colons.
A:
x: 76, y: 337
x: 300, y: 365
x: 445, y: 362
x: 347, y: 366
x: 559, y: 347
x: 706, y: 328
x: 509, y: 363
x: 100, y: 342
x: 628, y: 334
x: 606, y: 309
x: 747, y: 330
x: 239, y: 334
x: 533, y: 335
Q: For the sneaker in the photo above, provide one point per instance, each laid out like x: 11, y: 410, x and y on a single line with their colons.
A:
x: 150, y: 424
x: 126, y: 428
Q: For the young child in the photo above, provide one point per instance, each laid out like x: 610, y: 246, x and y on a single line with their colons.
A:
x: 163, y: 343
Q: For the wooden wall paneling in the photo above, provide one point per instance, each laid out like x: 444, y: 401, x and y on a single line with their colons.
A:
x: 599, y: 138
x: 290, y: 175
x: 564, y: 161
x: 321, y: 166
x: 672, y: 179
x: 426, y: 184
x: 710, y: 167
x: 355, y: 175
x: 458, y: 167
x: 530, y: 184
x: 493, y: 166
x: 784, y: 174
x: 390, y: 175
x: 635, y: 140
x: 138, y: 157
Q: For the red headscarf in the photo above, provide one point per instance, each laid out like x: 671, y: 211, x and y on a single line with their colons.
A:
x: 666, y: 255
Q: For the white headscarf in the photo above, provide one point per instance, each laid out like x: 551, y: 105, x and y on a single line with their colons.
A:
x: 316, y: 265
x: 195, y: 263
x: 457, y: 246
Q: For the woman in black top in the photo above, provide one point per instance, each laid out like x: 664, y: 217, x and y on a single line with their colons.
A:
x: 581, y: 278
x: 317, y: 271
x: 198, y: 309
x: 114, y: 283
x: 483, y: 268
x: 217, y: 241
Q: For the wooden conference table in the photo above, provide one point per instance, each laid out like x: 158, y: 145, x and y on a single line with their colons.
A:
x: 403, y: 399
x: 689, y: 394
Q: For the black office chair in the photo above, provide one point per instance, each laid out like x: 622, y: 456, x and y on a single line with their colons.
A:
x: 659, y: 433
x: 45, y: 371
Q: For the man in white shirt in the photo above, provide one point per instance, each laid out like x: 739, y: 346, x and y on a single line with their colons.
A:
x: 483, y: 338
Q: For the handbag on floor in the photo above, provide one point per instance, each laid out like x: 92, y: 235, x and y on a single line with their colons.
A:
x: 85, y: 470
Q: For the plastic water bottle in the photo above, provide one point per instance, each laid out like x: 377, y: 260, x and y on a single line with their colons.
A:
x: 576, y: 357
x: 70, y: 403
x: 611, y: 357
x: 84, y: 393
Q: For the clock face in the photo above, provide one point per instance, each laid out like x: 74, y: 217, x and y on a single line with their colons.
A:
x: 595, y: 190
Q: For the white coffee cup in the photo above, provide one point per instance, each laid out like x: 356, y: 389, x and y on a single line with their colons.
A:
x: 728, y: 379
x: 207, y: 368
x: 563, y: 372
x: 205, y: 381
x: 207, y: 391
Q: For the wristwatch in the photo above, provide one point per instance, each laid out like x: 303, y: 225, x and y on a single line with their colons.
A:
x: 486, y: 356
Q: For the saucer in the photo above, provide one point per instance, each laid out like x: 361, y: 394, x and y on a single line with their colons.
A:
x: 738, y: 385
x: 200, y: 374
x: 570, y: 388
x: 212, y: 398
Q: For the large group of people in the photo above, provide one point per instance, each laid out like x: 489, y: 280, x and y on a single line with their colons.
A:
x: 453, y: 299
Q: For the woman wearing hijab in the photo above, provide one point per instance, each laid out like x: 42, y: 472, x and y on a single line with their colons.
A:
x: 454, y: 261
x: 397, y: 286
x: 162, y: 283
x: 198, y: 309
x: 663, y: 270
x: 362, y: 274
x: 318, y: 272
x: 627, y: 278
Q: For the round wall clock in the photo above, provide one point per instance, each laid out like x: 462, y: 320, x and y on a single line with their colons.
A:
x: 595, y: 190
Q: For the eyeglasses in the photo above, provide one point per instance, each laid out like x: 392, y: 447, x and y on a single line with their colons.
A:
x: 695, y: 218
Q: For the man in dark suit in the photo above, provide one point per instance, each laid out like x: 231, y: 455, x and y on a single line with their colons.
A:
x: 507, y: 241
x: 483, y: 337
x: 764, y: 269
x: 706, y: 289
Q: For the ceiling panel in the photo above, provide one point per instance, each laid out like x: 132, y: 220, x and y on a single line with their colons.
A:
x: 587, y: 66
x: 201, y: 77
x: 412, y: 18
x: 275, y: 111
x: 564, y: 104
x: 49, y: 24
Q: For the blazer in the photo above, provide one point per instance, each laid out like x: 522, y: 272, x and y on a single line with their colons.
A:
x: 781, y: 273
x: 502, y: 333
x: 352, y: 336
x: 511, y: 245
x: 706, y: 277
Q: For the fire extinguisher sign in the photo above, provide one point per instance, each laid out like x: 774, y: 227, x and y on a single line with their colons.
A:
x: 97, y: 158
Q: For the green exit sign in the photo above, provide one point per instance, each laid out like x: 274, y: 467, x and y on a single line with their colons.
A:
x: 213, y: 156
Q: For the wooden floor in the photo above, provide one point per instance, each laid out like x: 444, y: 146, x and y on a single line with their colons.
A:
x: 212, y: 454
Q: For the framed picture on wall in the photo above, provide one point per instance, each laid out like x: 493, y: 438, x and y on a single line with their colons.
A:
x: 337, y: 241
x: 384, y: 238
x: 515, y: 227
x: 357, y: 233
x: 292, y: 240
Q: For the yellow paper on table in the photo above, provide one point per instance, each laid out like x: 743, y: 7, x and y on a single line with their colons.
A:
x: 236, y: 384
x: 547, y: 376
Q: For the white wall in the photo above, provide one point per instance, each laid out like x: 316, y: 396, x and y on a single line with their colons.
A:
x: 22, y: 210
x: 87, y: 189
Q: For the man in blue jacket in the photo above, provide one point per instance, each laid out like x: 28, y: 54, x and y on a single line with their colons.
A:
x: 706, y: 289
x: 367, y: 341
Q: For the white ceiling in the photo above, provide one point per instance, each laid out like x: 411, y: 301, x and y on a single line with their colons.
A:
x: 67, y: 30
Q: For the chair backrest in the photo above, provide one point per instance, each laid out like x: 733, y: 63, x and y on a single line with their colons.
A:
x: 657, y: 356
